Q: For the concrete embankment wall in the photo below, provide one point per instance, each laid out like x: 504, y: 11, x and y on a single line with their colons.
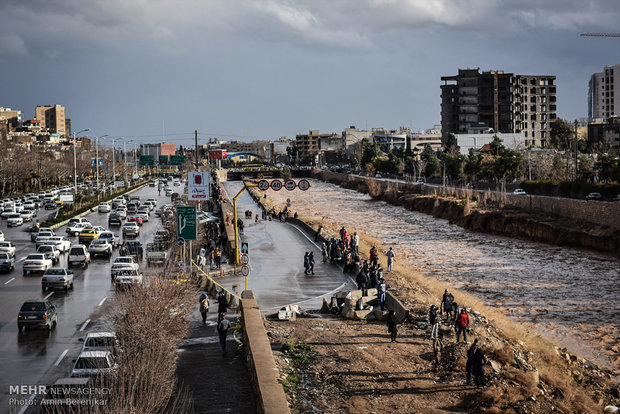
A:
x: 509, y: 223
x: 270, y: 397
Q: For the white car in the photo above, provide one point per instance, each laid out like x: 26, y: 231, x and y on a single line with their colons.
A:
x: 99, y: 341
x: 62, y: 244
x: 1, y: 236
x: 122, y: 211
x: 76, y: 228
x: 123, y: 262
x: 7, y: 212
x: 35, y: 234
x: 519, y: 191
x: 152, y: 201
x: 126, y: 278
x: 43, y: 237
x: 78, y: 255
x: 14, y: 220
x: 8, y: 247
x: 100, y: 247
x: 143, y: 216
x: 93, y: 363
x: 131, y: 229
x: 36, y: 262
x: 26, y: 215
x: 50, y: 252
x: 104, y: 207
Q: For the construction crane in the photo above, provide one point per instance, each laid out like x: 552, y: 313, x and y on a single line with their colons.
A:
x: 601, y: 34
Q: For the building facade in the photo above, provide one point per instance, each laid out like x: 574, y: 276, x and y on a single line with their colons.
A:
x: 309, y: 145
x: 155, y: 150
x: 475, y: 141
x: 601, y: 88
x: 504, y: 102
x: 604, y: 135
x: 12, y: 117
x: 52, y: 117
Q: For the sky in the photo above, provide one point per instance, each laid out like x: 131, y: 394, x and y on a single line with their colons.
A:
x: 262, y: 69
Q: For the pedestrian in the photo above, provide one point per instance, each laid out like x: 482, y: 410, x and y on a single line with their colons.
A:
x: 306, y: 262
x: 433, y: 320
x: 221, y: 306
x: 390, y: 259
x: 462, y: 323
x: 204, y: 306
x: 382, y: 288
x: 212, y: 260
x: 222, y: 329
x: 218, y: 257
x: 311, y: 263
x: 323, y: 253
x: 446, y: 304
x: 392, y: 325
x: 318, y: 233
x: 360, y: 279
x: 470, y: 355
x: 477, y: 367
x: 355, y: 242
x: 437, y: 350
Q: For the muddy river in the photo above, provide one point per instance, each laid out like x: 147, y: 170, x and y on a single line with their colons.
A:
x: 570, y: 295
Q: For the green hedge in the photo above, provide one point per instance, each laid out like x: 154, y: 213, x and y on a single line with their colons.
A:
x: 577, y: 189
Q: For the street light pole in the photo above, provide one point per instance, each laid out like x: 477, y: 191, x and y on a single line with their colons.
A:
x: 97, y: 161
x: 113, y: 164
x: 135, y: 157
x: 125, y: 159
x: 75, y: 164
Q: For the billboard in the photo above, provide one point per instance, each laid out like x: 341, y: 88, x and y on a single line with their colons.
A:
x: 167, y: 149
x: 218, y: 154
x: 198, y: 185
x: 66, y: 198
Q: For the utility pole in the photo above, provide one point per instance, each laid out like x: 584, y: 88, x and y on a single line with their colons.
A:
x: 576, y: 149
x: 125, y: 159
x: 196, y: 146
x: 113, y: 163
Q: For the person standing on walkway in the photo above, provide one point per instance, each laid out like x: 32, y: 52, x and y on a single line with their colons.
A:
x: 446, y: 304
x: 390, y: 259
x: 324, y: 253
x: 311, y: 263
x: 477, y: 367
x: 462, y: 323
x: 392, y: 325
x: 204, y: 306
x: 355, y: 243
x: 433, y: 320
x: 222, y: 329
x: 221, y: 306
x: 470, y: 355
x: 382, y: 288
x: 218, y: 257
x: 437, y: 350
x: 306, y: 262
x: 318, y: 233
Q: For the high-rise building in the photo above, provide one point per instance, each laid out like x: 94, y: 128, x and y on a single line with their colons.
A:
x: 52, y: 117
x: 504, y: 102
x: 601, y: 89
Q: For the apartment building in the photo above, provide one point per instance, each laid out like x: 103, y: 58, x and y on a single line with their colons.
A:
x: 52, y: 117
x: 310, y: 144
x: 601, y: 88
x: 505, y: 102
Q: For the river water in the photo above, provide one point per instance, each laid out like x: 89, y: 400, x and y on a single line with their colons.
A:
x: 570, y: 295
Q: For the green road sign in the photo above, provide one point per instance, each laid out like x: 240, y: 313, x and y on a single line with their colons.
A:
x: 186, y: 223
x: 163, y: 160
x: 147, y: 160
x: 177, y: 159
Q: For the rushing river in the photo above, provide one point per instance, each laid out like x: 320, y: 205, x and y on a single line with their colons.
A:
x: 570, y: 295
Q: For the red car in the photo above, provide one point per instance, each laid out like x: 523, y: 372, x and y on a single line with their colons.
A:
x: 136, y: 219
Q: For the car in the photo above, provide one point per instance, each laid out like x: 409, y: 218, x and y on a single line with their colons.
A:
x: 93, y: 364
x: 144, y: 209
x: 135, y: 219
x: 43, y: 237
x: 152, y: 184
x: 82, y: 220
x: 76, y: 228
x: 50, y: 252
x: 14, y: 220
x: 519, y: 191
x: 50, y: 205
x: 78, y: 254
x: 8, y: 247
x: 100, y: 247
x: 57, y: 277
x: 7, y: 262
x: 122, y: 212
x: 132, y: 208
x: 87, y: 235
x: 36, y: 262
x: 126, y: 278
x: 37, y: 313
x: 62, y: 244
x: 594, y: 196
x: 168, y: 192
x: 26, y: 215
x: 132, y: 248
x: 123, y: 262
x: 112, y: 238
x: 143, y: 216
x: 161, y: 236
x: 8, y: 211
x: 131, y: 229
x: 67, y: 393
x: 420, y: 182
x: 35, y: 234
x: 152, y: 201
x: 104, y: 207
x: 115, y: 219
x: 99, y: 341
x: 1, y: 236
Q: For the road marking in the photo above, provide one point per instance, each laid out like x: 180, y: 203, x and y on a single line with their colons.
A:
x: 84, y: 324
x: 27, y: 405
x: 47, y: 297
x: 102, y: 300
x: 9, y: 281
x: 20, y: 260
x: 61, y: 357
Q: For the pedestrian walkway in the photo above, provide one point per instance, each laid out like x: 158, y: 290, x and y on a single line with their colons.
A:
x: 217, y: 383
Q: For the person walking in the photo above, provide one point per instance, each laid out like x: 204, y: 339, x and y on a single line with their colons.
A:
x: 477, y: 367
x: 221, y: 306
x: 218, y: 257
x: 203, y: 300
x: 323, y: 253
x: 433, y: 320
x: 462, y: 323
x: 306, y: 262
x: 318, y: 233
x: 470, y: 355
x: 382, y: 288
x: 446, y: 304
x: 311, y: 263
x: 222, y: 329
x: 392, y: 325
x: 355, y: 243
x: 390, y: 259
x: 437, y: 350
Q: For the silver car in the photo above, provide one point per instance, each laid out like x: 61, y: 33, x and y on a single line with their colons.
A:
x: 57, y: 278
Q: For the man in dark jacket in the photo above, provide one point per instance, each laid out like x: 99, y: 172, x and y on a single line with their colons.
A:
x: 203, y: 300
x: 222, y: 330
x: 433, y: 320
x: 392, y: 325
x: 470, y: 355
x: 221, y: 306
x: 478, y: 362
x: 446, y: 304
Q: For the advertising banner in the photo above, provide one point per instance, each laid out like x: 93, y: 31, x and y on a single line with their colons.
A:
x: 198, y: 185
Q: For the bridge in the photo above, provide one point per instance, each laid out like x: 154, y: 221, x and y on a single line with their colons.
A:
x: 243, y: 155
x: 237, y: 174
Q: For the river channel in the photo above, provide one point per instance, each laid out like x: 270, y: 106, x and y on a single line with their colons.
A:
x: 570, y: 295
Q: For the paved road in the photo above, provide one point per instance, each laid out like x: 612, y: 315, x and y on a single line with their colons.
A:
x: 32, y: 357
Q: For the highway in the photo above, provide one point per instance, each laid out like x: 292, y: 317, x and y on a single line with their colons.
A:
x: 36, y: 357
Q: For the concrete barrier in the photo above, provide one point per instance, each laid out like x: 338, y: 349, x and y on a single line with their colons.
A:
x: 262, y: 369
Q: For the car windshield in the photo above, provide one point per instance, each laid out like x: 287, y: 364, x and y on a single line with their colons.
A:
x: 92, y: 363
x: 45, y: 234
x: 100, y: 341
x: 5, y: 245
x: 4, y: 255
x: 128, y: 272
x: 35, y: 257
x: 54, y: 272
x: 123, y: 260
x: 33, y: 307
x: 77, y: 251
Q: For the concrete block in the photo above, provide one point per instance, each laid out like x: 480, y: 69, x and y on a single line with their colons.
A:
x: 361, y: 314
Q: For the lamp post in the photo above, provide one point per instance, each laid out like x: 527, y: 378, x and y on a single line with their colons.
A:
x: 113, y: 164
x: 135, y: 157
x: 97, y: 161
x: 125, y: 159
x: 75, y: 164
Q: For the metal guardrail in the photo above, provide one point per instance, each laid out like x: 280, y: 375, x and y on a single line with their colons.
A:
x: 210, y: 278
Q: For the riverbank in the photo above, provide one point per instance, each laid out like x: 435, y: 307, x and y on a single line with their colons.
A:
x: 583, y: 386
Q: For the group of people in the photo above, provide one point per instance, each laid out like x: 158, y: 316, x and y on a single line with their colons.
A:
x: 223, y: 324
x: 211, y: 252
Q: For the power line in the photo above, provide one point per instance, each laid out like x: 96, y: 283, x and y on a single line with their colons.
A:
x: 601, y: 34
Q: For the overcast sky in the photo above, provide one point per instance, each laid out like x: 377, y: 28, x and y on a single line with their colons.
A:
x: 267, y: 68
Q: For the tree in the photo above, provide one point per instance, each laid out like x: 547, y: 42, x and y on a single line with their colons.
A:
x: 472, y: 165
x: 608, y: 167
x: 454, y: 164
x: 561, y: 134
x: 368, y: 152
x: 450, y: 144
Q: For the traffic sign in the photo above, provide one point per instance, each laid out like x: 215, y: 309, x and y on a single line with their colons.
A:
x: 303, y: 184
x: 290, y: 185
x: 180, y: 241
x: 163, y: 160
x: 147, y: 160
x: 245, y: 270
x: 276, y: 185
x: 263, y: 185
x: 244, y: 248
x: 181, y: 264
x: 187, y: 227
x: 245, y: 259
x: 177, y: 159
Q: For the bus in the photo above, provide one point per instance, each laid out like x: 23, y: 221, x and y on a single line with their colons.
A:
x: 253, y: 167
